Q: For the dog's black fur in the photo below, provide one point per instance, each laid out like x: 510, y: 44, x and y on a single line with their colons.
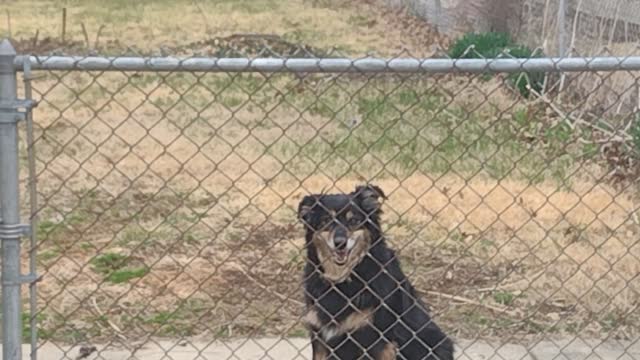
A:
x: 399, y: 326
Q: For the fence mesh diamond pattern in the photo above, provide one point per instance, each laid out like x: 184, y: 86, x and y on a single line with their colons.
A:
x: 168, y: 201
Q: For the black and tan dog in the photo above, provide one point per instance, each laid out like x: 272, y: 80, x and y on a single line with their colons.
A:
x: 360, y: 304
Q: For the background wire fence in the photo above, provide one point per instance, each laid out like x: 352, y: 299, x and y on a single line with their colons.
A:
x: 167, y: 203
x: 583, y: 26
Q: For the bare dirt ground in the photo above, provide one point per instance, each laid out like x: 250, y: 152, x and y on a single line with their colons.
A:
x: 167, y: 203
x: 163, y: 214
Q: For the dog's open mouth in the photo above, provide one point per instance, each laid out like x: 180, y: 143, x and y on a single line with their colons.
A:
x: 340, y: 256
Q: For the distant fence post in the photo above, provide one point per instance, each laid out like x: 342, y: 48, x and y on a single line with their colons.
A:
x: 10, y: 228
x: 562, y: 13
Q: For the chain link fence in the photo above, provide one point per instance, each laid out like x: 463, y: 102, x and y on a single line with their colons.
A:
x: 168, y: 192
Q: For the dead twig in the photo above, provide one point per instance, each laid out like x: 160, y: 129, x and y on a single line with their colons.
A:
x: 634, y: 213
x: 574, y: 30
x: 35, y: 39
x: 64, y: 24
x: 513, y: 284
x: 572, y: 121
x: 86, y: 35
x: 498, y: 309
x: 102, y: 315
x: 465, y: 300
x: 95, y: 44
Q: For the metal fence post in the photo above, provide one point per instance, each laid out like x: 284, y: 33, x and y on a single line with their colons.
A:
x: 10, y: 229
x: 562, y: 13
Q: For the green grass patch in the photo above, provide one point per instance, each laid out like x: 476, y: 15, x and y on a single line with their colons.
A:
x: 124, y: 275
x: 405, y: 131
x: 116, y: 269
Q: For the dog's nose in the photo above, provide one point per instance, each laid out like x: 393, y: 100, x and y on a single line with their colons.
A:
x: 340, y: 242
x: 340, y: 238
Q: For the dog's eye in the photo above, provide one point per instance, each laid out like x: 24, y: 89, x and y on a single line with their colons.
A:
x: 326, y: 219
x: 354, y: 222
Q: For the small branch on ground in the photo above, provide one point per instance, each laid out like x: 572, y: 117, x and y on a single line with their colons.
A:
x: 97, y: 42
x: 498, y: 309
x: 517, y: 284
x: 35, y: 39
x: 111, y: 324
x: 64, y: 24
x: 572, y: 121
x: 461, y: 299
x: 86, y: 35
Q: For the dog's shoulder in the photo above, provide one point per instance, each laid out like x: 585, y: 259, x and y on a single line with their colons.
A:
x: 385, y: 272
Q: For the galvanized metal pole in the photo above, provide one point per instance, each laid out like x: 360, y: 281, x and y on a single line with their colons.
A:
x: 9, y: 207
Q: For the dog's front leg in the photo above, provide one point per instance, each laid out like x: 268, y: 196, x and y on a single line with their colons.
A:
x: 318, y: 349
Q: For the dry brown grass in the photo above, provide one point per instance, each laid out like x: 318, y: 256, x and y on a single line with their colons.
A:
x: 354, y: 28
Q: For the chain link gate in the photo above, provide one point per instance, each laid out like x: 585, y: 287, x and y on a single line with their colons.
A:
x: 168, y: 193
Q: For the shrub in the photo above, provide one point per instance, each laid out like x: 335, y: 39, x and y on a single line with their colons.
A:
x: 493, y: 45
x: 486, y: 45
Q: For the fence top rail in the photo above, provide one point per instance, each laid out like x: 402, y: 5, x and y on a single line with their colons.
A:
x: 328, y: 65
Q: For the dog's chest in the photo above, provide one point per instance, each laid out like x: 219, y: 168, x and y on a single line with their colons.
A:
x: 341, y: 310
x: 328, y: 332
x: 330, y: 328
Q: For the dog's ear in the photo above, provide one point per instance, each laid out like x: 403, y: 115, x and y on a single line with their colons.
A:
x: 370, y: 197
x: 304, y: 208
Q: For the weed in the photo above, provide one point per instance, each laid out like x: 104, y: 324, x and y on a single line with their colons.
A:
x: 610, y: 321
x: 26, y: 326
x: 48, y: 254
x: 108, y: 262
x: 504, y: 297
x: 223, y: 332
x: 46, y: 227
x: 321, y: 109
x: 298, y: 332
x: 134, y: 235
x: 477, y: 319
x: 124, y: 275
x: 177, y: 321
x: 114, y: 267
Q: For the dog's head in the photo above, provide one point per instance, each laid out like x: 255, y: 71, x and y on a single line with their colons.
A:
x: 342, y: 227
